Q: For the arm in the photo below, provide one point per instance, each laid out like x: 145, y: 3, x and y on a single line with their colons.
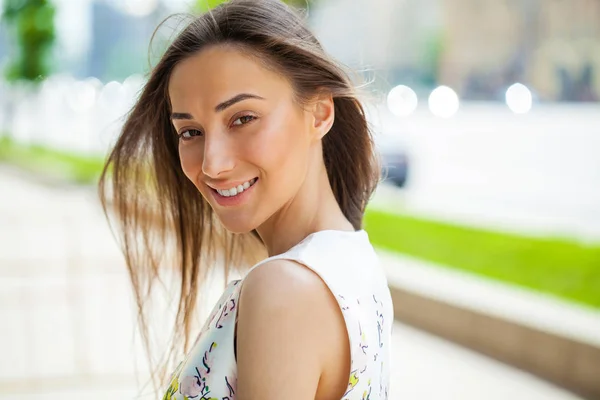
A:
x: 290, y: 335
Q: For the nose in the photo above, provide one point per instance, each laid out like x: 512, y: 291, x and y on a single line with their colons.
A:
x: 218, y: 156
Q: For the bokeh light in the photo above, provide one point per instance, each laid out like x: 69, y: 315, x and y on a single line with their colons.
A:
x: 112, y: 96
x: 519, y: 98
x: 132, y: 86
x: 402, y: 101
x: 81, y: 96
x: 443, y: 102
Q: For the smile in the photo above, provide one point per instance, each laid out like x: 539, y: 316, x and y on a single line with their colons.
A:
x: 236, y: 190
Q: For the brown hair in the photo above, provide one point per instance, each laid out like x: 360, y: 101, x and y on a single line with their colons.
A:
x: 161, y: 216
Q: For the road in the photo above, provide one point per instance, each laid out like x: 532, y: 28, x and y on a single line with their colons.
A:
x: 537, y: 173
x: 68, y: 322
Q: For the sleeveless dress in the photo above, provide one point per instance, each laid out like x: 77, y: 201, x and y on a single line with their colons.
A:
x: 349, y: 266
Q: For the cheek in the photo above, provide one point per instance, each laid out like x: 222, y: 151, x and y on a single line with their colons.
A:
x: 190, y: 155
x: 281, y: 145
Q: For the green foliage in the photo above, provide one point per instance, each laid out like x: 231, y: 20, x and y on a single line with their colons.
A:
x: 555, y: 266
x: 205, y: 5
x: 52, y: 164
x: 31, y: 28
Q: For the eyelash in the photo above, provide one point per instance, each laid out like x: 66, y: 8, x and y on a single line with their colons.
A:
x: 199, y: 133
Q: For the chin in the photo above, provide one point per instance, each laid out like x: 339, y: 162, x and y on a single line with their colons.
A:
x: 235, y: 224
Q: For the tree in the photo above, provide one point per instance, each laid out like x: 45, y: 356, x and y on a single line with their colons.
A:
x: 31, y: 26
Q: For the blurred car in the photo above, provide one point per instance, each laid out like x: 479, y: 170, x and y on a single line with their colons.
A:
x: 390, y: 143
x: 394, y: 167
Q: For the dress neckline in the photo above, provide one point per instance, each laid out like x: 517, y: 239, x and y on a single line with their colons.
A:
x: 307, y: 239
x: 312, y: 235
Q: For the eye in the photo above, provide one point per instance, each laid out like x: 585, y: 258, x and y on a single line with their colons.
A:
x: 244, y: 119
x: 189, y: 134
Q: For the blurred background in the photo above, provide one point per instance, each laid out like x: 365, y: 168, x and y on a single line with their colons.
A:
x: 487, y: 116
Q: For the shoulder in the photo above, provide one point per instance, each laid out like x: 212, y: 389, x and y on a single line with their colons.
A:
x: 282, y: 277
x: 285, y: 290
x: 289, y: 324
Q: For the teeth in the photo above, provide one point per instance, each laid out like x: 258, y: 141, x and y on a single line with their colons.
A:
x: 236, y: 190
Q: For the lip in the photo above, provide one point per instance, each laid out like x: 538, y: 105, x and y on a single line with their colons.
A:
x: 233, y: 200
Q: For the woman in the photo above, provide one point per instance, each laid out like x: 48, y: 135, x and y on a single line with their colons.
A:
x: 247, y: 138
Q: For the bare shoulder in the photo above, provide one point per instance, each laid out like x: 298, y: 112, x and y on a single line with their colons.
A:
x: 283, y: 282
x: 289, y: 330
x: 284, y: 292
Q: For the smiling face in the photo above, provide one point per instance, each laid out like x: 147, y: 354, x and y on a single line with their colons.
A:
x: 244, y: 141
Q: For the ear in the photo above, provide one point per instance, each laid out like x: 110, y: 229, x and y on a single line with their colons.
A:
x: 323, y: 114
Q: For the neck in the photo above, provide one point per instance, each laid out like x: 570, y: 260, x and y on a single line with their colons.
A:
x: 313, y: 209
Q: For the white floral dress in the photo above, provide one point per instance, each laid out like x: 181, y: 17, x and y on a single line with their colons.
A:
x: 349, y: 266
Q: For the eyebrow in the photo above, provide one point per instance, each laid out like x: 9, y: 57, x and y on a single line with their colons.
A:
x: 181, y: 116
x: 221, y: 106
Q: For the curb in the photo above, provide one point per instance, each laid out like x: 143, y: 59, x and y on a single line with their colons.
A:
x: 568, y: 362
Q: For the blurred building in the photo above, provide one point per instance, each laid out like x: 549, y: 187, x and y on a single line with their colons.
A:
x: 396, y: 41
x: 478, y: 47
x: 551, y: 45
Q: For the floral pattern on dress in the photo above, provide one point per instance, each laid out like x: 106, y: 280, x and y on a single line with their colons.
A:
x: 209, y: 371
x: 196, y: 377
x: 369, y: 345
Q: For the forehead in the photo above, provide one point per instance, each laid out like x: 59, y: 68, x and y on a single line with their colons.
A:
x: 219, y: 72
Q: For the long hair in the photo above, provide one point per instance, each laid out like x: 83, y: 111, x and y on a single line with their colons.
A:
x: 162, y: 219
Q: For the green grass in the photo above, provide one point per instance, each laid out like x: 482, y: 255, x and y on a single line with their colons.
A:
x: 50, y: 163
x: 556, y: 266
